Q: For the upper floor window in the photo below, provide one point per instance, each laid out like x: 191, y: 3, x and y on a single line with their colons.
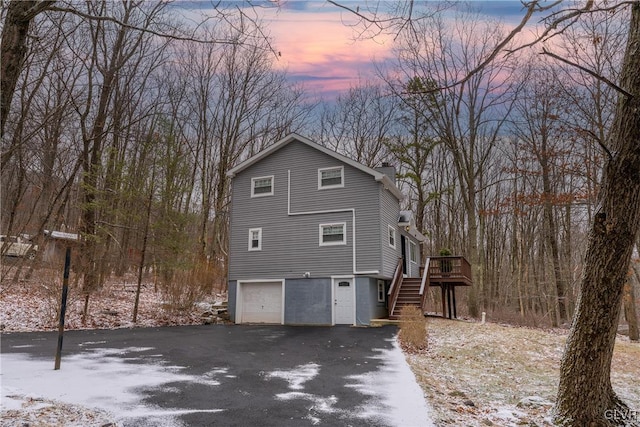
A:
x: 262, y: 186
x: 392, y: 237
x: 255, y: 239
x: 333, y: 234
x: 331, y: 177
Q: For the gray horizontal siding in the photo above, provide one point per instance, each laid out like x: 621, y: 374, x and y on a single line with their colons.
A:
x: 389, y: 212
x: 367, y: 305
x: 290, y: 244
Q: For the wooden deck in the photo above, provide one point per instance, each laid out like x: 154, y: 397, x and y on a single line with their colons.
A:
x: 447, y: 272
x: 454, y: 270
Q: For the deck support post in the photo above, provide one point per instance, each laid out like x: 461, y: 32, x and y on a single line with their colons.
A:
x: 453, y: 295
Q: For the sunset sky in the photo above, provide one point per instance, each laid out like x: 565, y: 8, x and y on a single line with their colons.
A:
x: 318, y: 47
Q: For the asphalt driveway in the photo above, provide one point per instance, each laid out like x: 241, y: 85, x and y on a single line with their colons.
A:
x: 236, y: 375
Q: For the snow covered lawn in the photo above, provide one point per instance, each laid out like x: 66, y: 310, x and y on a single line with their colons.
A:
x: 483, y: 375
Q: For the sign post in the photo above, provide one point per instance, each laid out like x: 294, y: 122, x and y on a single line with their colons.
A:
x: 63, y: 305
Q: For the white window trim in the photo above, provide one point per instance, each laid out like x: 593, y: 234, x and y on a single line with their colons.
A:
x: 259, y: 230
x: 333, y: 224
x: 381, y: 292
x: 253, y: 186
x: 415, y: 251
x: 395, y: 237
x: 326, y: 187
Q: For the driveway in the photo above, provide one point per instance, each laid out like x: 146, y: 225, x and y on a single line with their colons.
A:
x: 223, y: 375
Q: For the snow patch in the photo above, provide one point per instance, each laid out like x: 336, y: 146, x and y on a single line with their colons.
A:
x: 298, y: 376
x: 95, y: 379
x: 397, y: 397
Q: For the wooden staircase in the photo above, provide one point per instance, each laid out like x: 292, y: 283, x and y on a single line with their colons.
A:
x: 447, y: 272
x: 408, y: 294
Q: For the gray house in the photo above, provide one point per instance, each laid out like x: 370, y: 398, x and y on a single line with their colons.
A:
x: 315, y: 237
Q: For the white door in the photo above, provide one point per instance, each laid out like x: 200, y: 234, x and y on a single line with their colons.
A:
x: 343, y: 302
x: 261, y: 302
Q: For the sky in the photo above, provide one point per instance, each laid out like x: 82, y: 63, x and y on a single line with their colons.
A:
x: 318, y: 44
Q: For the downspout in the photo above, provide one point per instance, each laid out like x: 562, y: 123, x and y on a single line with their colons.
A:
x: 347, y: 210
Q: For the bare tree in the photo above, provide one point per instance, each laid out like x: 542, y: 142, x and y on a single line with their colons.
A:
x: 585, y: 395
x: 467, y: 118
x: 360, y: 124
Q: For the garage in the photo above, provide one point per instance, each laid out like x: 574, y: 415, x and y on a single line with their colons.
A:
x: 260, y: 302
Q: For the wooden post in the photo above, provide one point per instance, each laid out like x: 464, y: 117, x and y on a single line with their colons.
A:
x: 442, y: 291
x: 63, y: 305
x: 449, y: 301
x: 453, y: 294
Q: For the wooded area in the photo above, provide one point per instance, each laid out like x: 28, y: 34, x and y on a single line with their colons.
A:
x: 122, y: 129
x: 122, y: 122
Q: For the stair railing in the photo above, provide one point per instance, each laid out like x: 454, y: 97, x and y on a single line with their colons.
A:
x: 424, y: 284
x: 394, y: 289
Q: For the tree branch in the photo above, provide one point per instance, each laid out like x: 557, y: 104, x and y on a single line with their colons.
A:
x: 136, y: 28
x: 588, y: 71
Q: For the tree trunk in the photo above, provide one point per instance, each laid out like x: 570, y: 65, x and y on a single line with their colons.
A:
x: 13, y: 51
x: 585, y: 394
x: 630, y: 312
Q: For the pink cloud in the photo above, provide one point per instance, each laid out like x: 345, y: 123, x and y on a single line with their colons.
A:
x: 318, y: 49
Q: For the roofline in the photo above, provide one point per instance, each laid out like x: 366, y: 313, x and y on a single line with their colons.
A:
x: 378, y: 176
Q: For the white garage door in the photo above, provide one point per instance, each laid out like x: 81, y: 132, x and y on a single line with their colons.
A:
x: 261, y: 302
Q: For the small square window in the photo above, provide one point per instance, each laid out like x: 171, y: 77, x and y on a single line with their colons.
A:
x: 262, y: 186
x: 331, y: 177
x: 333, y: 234
x: 255, y: 239
x: 392, y: 237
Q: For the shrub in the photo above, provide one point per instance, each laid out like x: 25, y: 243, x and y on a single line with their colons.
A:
x: 413, y: 334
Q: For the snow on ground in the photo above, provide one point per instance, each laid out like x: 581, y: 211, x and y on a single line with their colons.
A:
x: 405, y: 399
x: 29, y: 306
x: 489, y: 374
x: 395, y: 395
x: 99, y: 387
x: 99, y: 379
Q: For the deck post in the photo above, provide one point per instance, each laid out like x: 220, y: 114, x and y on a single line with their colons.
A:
x: 442, y: 289
x: 453, y: 294
x: 449, y: 301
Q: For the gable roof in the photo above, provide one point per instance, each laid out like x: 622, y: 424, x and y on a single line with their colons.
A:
x: 378, y: 176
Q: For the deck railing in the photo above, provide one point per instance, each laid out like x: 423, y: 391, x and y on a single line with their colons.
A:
x: 444, y: 269
x: 424, y: 284
x: 394, y: 290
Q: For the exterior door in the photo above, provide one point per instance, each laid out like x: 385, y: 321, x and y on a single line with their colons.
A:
x: 261, y: 302
x: 343, y: 301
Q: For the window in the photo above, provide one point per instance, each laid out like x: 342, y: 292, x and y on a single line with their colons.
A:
x: 333, y: 234
x: 392, y: 237
x: 262, y: 186
x: 331, y: 177
x: 381, y: 291
x: 413, y: 252
x: 255, y: 239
